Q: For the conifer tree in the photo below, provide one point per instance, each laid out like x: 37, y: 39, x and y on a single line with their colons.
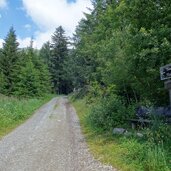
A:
x: 33, y: 78
x: 45, y: 52
x: 8, y: 60
x: 59, y: 55
x: 27, y: 80
x: 2, y: 82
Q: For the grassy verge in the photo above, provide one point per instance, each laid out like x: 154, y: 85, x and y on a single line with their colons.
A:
x: 15, y: 111
x: 123, y: 153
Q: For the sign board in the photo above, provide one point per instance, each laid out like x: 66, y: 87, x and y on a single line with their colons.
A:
x: 165, y: 72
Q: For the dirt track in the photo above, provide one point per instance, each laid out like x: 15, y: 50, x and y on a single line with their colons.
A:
x: 50, y: 141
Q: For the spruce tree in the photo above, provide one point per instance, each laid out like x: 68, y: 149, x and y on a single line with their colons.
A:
x: 27, y: 81
x: 33, y: 78
x: 41, y: 68
x: 2, y: 82
x: 45, y: 53
x: 59, y: 55
x: 2, y: 79
x: 8, y: 60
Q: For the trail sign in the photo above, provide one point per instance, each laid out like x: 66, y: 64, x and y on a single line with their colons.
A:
x: 165, y: 72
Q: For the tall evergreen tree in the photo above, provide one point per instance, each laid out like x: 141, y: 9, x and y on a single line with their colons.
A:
x: 2, y: 82
x: 59, y: 55
x: 8, y: 60
x: 33, y: 78
x: 45, y: 53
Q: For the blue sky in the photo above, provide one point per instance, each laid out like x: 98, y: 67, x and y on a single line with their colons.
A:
x: 15, y: 16
x: 39, y: 18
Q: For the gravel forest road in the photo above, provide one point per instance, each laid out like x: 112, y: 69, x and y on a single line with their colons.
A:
x: 51, y: 140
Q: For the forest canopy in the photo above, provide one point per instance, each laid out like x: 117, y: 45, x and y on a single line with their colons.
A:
x: 116, y: 49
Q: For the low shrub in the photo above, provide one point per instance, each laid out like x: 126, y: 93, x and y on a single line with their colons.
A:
x: 108, y: 113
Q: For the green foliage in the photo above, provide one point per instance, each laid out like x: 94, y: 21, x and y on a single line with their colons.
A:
x: 159, y: 133
x: 28, y: 81
x: 149, y: 47
x: 2, y: 82
x: 156, y: 159
x: 118, y: 50
x: 32, y: 76
x: 59, y: 55
x: 148, y: 157
x: 23, y: 72
x: 45, y: 53
x: 109, y: 113
x: 8, y: 59
x: 56, y: 56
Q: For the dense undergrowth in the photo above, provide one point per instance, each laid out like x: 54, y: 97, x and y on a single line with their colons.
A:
x: 116, y: 61
x: 14, y: 111
x: 128, y: 153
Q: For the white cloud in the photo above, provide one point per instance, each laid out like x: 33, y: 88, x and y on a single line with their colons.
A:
x: 49, y: 14
x: 27, y: 26
x: 42, y: 37
x: 1, y: 42
x: 3, y: 3
x: 39, y: 39
x: 23, y: 43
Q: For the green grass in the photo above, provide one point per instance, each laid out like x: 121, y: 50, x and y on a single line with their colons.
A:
x: 15, y: 111
x: 123, y: 153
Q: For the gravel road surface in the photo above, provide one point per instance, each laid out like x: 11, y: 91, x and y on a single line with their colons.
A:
x: 50, y: 141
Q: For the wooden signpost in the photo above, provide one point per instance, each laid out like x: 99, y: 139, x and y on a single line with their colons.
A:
x: 165, y: 74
